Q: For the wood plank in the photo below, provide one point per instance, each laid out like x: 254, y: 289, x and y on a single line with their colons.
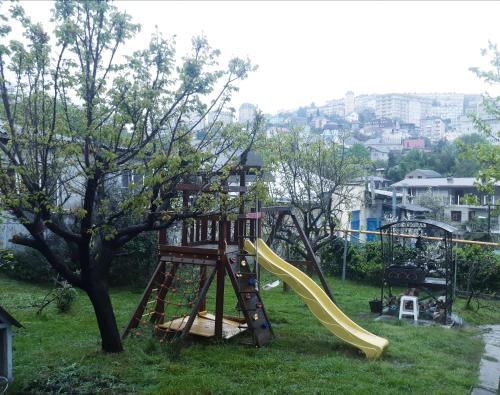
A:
x: 188, y: 250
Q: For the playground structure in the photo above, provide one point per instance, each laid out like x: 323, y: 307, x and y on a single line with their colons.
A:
x: 229, y: 243
x: 417, y: 254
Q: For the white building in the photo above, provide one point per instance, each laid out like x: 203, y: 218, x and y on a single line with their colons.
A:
x: 433, y: 128
x: 246, y: 112
x: 333, y: 107
x: 225, y: 117
x: 349, y: 103
x: 407, y: 108
x: 450, y: 192
x: 364, y: 102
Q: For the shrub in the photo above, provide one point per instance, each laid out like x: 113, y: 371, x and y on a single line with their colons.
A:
x: 364, y: 261
x: 478, y: 269
x: 65, y: 297
x: 132, y: 265
x: 135, y: 262
x: 27, y: 264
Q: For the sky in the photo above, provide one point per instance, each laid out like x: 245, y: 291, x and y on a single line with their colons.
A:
x: 317, y: 51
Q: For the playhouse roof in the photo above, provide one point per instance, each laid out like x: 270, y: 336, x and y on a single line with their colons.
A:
x: 6, y: 317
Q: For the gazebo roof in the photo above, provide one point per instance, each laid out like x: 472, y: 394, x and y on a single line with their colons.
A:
x: 437, y: 224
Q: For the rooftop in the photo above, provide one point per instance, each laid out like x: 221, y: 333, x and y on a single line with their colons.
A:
x: 453, y: 182
x: 426, y: 172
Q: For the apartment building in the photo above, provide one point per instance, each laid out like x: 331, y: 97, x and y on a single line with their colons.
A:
x: 450, y: 192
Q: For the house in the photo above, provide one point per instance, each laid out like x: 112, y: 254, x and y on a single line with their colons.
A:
x: 379, y: 153
x: 450, y: 192
x: 6, y: 323
x: 422, y: 173
x: 376, y: 182
x: 414, y: 143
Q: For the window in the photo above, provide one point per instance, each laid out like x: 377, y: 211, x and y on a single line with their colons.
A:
x: 472, y: 215
x: 126, y: 176
x: 456, y: 216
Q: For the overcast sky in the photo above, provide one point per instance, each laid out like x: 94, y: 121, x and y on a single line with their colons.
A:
x: 316, y: 51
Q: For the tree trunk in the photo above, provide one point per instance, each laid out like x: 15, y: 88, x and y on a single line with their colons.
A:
x: 98, y: 293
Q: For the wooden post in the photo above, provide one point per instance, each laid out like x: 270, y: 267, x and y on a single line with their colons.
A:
x: 198, y: 229
x: 286, y: 288
x: 241, y: 221
x: 312, y: 257
x: 162, y: 236
x: 203, y: 279
x: 191, y: 233
x: 157, y: 317
x: 204, y: 229
x: 219, y: 293
x: 275, y: 229
x: 213, y: 230
x: 185, y: 203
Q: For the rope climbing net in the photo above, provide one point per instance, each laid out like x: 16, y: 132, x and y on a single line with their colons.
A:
x: 171, y: 302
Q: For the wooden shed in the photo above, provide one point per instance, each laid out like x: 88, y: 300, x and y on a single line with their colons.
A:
x: 6, y: 323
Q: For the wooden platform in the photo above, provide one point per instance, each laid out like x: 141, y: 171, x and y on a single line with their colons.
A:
x: 204, y: 325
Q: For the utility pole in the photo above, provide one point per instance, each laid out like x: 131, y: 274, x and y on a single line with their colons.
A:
x: 489, y: 218
x: 344, y: 257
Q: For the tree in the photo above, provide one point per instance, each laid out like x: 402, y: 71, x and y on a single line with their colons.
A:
x: 488, y: 155
x: 433, y: 203
x: 78, y: 120
x: 445, y: 158
x: 316, y: 178
x: 478, y: 271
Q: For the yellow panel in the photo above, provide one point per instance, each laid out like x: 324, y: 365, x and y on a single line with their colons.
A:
x: 318, y: 302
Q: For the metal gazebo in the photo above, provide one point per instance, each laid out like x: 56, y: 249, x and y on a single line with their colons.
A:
x: 417, y: 254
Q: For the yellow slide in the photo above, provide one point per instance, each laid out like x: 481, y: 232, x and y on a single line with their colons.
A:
x: 318, y: 302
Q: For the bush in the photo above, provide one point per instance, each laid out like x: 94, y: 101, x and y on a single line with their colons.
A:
x: 364, y: 261
x: 132, y: 265
x: 478, y: 269
x: 65, y: 297
x: 135, y: 262
x: 27, y: 264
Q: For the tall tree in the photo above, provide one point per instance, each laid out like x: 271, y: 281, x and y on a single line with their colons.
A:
x: 316, y: 178
x: 77, y: 119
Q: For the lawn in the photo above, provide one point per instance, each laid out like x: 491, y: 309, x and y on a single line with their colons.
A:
x: 61, y: 352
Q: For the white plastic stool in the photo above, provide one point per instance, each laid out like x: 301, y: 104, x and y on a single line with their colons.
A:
x: 413, y: 311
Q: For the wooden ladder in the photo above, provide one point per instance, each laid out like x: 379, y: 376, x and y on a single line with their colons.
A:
x: 250, y: 303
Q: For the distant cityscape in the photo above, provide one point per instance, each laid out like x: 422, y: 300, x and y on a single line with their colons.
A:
x: 394, y: 122
x: 381, y: 122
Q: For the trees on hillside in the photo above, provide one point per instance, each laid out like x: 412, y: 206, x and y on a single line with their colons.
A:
x: 316, y: 178
x: 77, y: 120
x: 445, y: 159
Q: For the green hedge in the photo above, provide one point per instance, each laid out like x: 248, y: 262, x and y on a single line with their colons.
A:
x: 364, y: 263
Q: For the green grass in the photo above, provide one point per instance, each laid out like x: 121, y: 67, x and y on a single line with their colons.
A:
x: 63, y: 350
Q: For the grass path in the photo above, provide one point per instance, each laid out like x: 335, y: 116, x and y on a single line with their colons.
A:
x: 56, y: 351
